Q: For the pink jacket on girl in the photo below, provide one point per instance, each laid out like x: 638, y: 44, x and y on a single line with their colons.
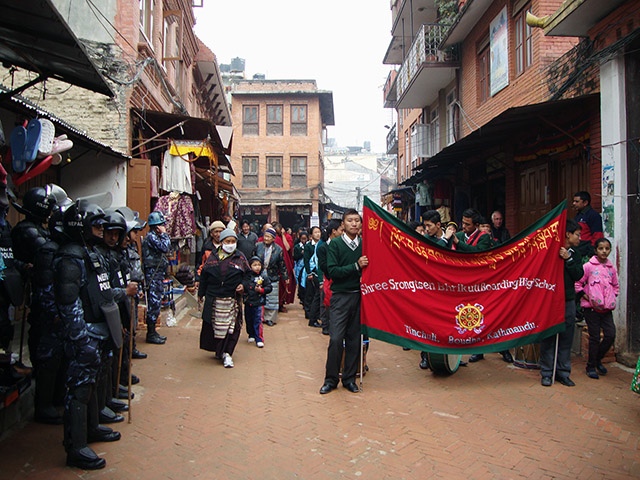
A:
x: 600, y: 285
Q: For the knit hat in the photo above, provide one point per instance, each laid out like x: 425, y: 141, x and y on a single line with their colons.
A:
x: 271, y: 232
x: 226, y: 233
x: 255, y: 259
x: 216, y: 224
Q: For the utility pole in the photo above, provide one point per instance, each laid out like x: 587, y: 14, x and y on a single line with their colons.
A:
x: 358, y: 197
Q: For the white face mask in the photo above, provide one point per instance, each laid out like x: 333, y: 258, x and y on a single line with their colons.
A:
x: 229, y: 247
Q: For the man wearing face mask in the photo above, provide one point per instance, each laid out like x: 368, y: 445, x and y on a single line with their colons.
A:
x: 221, y: 289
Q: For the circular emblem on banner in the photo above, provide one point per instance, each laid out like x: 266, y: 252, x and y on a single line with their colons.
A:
x: 469, y: 318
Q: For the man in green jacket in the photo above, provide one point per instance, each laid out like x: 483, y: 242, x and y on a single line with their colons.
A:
x: 345, y: 263
x: 470, y: 239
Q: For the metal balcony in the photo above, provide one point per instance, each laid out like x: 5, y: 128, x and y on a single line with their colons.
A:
x: 392, y: 141
x: 427, y: 68
x: 390, y: 94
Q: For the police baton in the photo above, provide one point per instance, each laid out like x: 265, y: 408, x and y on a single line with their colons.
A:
x: 131, y: 325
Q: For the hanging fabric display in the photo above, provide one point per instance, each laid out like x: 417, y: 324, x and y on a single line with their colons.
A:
x: 178, y: 212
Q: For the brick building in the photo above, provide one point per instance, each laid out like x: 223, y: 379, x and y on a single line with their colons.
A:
x: 279, y: 133
x: 496, y: 114
x: 167, y: 88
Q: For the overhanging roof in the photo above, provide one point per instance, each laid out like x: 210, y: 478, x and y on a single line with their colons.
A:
x: 575, y: 18
x: 215, y: 91
x: 325, y: 97
x: 503, y: 129
x: 34, y: 36
x: 466, y: 19
x: 181, y: 127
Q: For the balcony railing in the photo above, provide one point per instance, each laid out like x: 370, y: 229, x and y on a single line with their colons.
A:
x: 392, y: 141
x: 425, y: 50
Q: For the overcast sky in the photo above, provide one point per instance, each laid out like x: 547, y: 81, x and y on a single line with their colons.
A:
x: 338, y: 43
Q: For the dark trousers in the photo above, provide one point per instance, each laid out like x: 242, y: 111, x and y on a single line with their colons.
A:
x: 253, y: 317
x: 312, y: 299
x: 597, y: 321
x: 344, y: 335
x: 565, y: 340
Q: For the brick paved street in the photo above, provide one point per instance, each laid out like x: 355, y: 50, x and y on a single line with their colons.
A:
x: 264, y: 419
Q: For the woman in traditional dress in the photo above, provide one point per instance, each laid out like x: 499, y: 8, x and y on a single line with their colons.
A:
x: 221, y: 287
x: 287, y: 285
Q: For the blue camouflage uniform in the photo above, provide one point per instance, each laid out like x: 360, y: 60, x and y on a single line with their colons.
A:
x: 154, y: 247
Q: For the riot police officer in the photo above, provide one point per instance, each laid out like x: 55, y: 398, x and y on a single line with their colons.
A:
x: 50, y: 360
x: 131, y: 257
x: 123, y: 291
x: 28, y: 236
x: 155, y: 246
x: 90, y: 320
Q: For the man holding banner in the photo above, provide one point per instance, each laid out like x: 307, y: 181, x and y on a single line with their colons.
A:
x: 479, y: 301
x: 559, y: 347
x: 345, y: 264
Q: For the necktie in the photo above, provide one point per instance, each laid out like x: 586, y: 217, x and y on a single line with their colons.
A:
x: 353, y: 245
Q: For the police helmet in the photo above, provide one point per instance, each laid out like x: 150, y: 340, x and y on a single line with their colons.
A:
x: 134, y: 222
x: 156, y: 218
x: 114, y: 220
x: 79, y: 218
x: 36, y: 203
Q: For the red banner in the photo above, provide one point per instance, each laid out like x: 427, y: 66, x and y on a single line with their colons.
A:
x: 419, y: 295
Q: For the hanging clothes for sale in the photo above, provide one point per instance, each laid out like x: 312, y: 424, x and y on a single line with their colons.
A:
x: 176, y: 173
x: 199, y: 148
x: 155, y: 176
x: 178, y: 212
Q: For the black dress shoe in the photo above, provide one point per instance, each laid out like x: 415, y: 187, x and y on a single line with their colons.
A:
x: 138, y: 354
x: 103, y: 434
x: 270, y: 323
x: 546, y: 381
x: 117, y: 405
x: 109, y: 416
x: 85, y: 458
x: 506, y: 356
x: 326, y: 388
x: 352, y: 387
x: 424, y: 361
x: 476, y: 357
x: 566, y: 381
x: 123, y: 393
x: 135, y: 379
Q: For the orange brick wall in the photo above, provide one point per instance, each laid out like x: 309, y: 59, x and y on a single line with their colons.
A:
x: 284, y: 146
x: 528, y: 88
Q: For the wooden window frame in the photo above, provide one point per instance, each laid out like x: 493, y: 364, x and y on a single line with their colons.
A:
x: 275, y: 125
x: 297, y: 125
x: 274, y: 174
x: 297, y: 173
x: 250, y: 174
x: 523, y: 41
x: 249, y: 125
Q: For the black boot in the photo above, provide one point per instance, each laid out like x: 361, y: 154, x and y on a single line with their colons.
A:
x: 153, y: 336
x: 79, y: 454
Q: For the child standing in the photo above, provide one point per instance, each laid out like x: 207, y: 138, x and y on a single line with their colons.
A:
x: 600, y: 287
x: 257, y: 285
